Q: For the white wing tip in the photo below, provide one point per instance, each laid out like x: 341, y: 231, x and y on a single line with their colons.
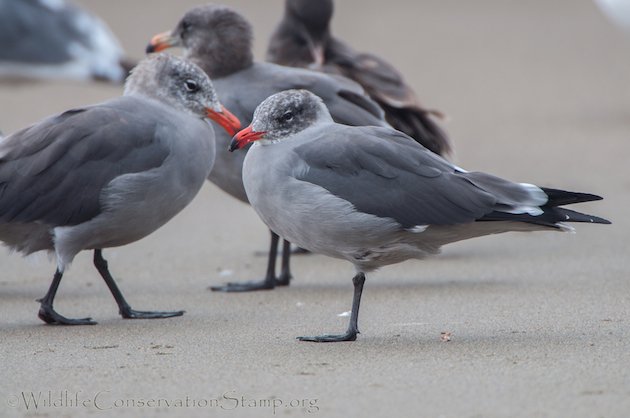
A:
x: 565, y: 228
x: 418, y: 229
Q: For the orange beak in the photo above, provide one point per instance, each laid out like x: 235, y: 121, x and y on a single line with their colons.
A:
x: 226, y: 119
x: 162, y: 41
x: 244, y: 137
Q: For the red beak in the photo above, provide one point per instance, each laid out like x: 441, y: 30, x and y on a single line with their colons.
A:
x: 227, y: 120
x: 244, y: 137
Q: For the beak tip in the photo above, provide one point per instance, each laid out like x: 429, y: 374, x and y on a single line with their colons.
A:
x: 162, y: 41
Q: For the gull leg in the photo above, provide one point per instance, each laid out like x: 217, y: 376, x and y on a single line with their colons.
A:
x: 125, y: 310
x: 268, y: 283
x: 353, y: 328
x: 48, y: 314
x: 285, y: 274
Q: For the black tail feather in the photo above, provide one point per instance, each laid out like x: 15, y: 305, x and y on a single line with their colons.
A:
x: 559, y: 197
x: 552, y: 213
x: 573, y: 216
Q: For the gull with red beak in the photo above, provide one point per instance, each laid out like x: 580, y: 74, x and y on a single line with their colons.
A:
x: 219, y: 40
x: 109, y: 174
x: 303, y: 39
x: 371, y: 196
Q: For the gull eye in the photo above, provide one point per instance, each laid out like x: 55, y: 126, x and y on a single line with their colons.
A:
x: 185, y: 25
x: 287, y: 117
x: 191, y: 85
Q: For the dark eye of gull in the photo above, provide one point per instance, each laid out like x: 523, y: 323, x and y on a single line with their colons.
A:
x: 185, y: 27
x: 286, y: 117
x: 191, y: 86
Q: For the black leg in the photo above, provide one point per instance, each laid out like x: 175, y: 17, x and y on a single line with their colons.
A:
x: 353, y: 328
x: 48, y: 314
x: 125, y: 310
x: 285, y: 274
x: 269, y: 282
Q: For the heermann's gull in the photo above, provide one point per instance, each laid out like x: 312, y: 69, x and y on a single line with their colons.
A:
x: 303, y: 39
x: 42, y: 39
x: 109, y: 174
x: 219, y: 40
x: 371, y: 196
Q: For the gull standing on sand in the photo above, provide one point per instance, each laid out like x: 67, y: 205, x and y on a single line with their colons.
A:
x: 110, y: 174
x: 219, y: 40
x: 372, y: 196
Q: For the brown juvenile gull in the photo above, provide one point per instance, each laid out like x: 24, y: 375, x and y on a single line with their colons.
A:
x: 110, y: 174
x: 219, y: 40
x: 371, y: 196
x: 303, y: 39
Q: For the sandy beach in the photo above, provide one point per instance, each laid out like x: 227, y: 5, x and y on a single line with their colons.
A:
x: 539, y: 323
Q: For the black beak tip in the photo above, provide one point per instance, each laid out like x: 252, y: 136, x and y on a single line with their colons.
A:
x: 233, y: 146
x: 149, y: 49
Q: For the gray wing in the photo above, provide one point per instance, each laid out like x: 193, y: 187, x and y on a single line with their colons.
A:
x: 243, y: 91
x: 384, y: 173
x: 39, y: 37
x: 33, y: 32
x: 53, y: 172
x: 346, y: 100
